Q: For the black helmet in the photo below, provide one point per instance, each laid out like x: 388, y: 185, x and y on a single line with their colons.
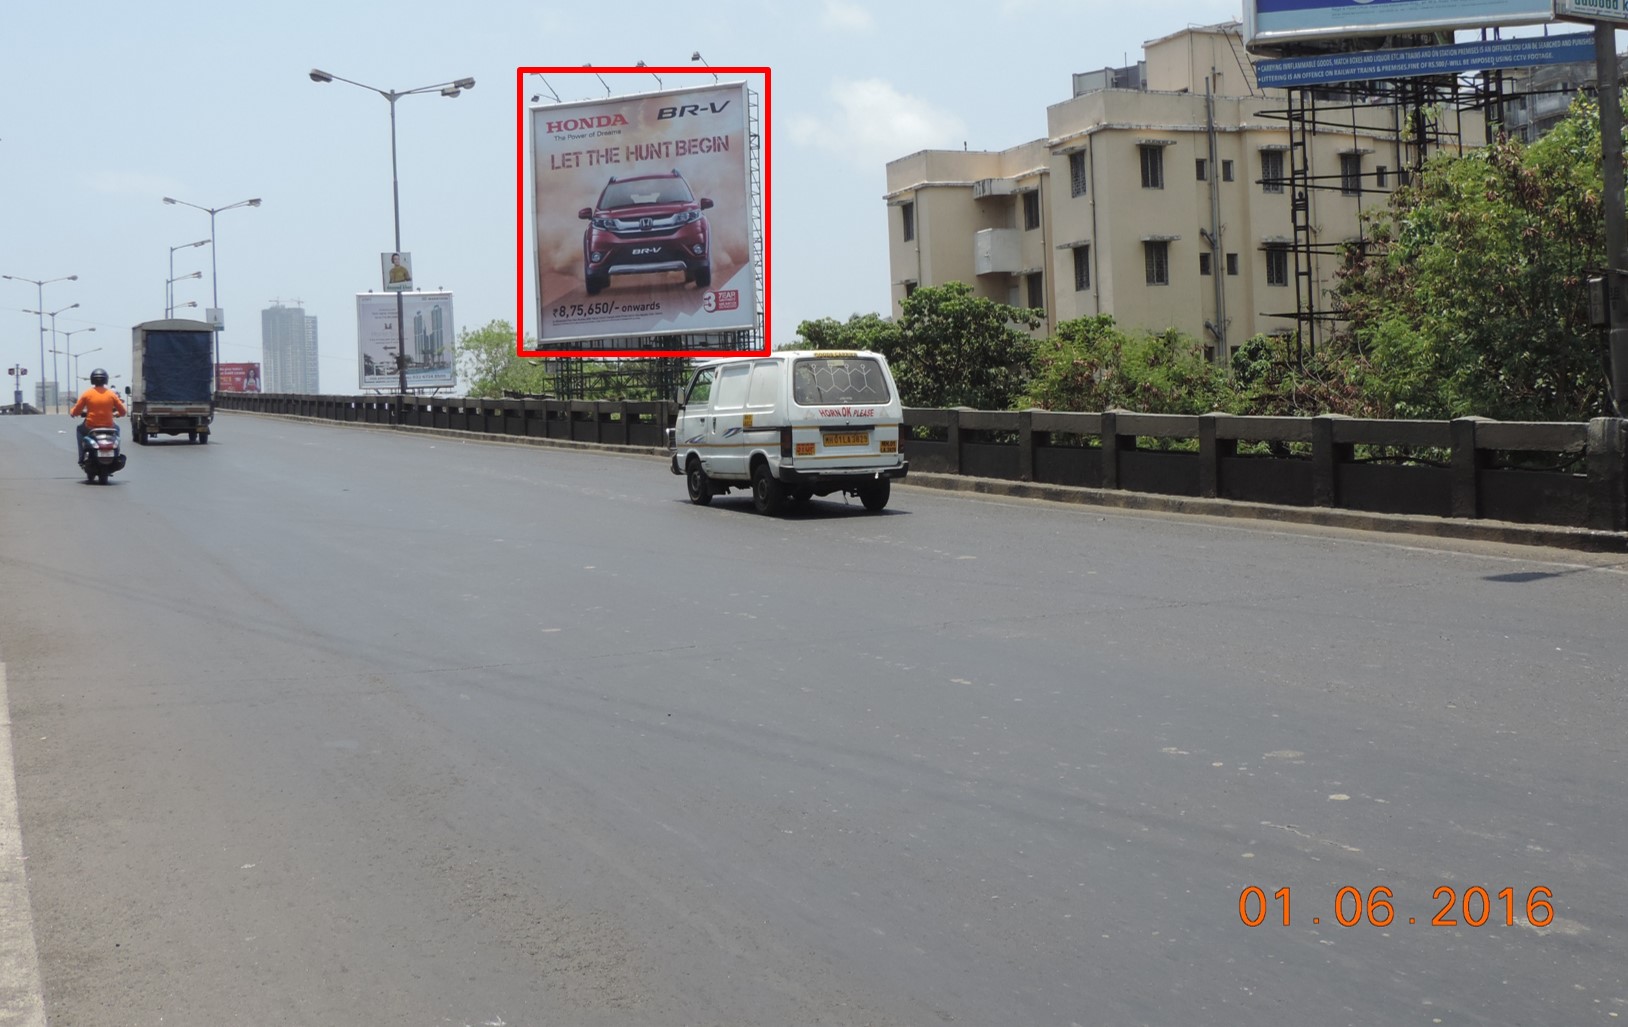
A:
x: 98, y: 377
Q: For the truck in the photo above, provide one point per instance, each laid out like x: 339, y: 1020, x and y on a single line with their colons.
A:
x: 172, y: 380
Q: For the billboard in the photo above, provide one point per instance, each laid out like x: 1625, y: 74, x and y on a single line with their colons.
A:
x: 1595, y: 11
x: 1268, y: 22
x: 238, y: 377
x: 429, y: 336
x: 642, y: 207
x: 1367, y: 65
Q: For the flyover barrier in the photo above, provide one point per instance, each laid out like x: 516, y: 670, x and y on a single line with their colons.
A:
x: 1563, y: 474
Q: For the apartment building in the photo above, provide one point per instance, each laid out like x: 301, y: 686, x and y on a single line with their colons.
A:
x: 289, y: 349
x: 1159, y: 195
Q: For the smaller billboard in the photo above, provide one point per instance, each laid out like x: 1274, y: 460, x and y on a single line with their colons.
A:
x: 1613, y: 11
x: 1368, y: 65
x: 423, y: 337
x: 1269, y: 22
x: 396, y: 271
x: 238, y: 377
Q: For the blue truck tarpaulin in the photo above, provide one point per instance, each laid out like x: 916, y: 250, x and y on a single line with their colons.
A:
x: 177, y: 367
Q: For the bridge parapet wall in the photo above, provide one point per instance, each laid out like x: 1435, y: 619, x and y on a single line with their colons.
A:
x: 1564, y: 474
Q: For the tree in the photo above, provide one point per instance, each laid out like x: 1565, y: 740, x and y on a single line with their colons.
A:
x: 487, y: 361
x: 957, y: 349
x: 860, y: 331
x: 1470, y: 298
x: 1093, y: 364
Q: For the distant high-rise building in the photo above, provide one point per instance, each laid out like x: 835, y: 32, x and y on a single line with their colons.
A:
x: 288, y: 344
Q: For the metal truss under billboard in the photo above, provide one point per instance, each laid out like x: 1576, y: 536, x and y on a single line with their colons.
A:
x: 1268, y: 22
x: 643, y: 214
x: 430, y: 340
x: 1367, y: 65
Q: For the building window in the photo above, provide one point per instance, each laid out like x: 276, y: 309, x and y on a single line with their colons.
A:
x: 1203, y: 168
x: 1082, y: 268
x: 1157, y: 256
x: 1226, y: 171
x: 909, y: 288
x: 1277, y: 265
x: 1203, y: 263
x: 1232, y: 263
x: 908, y: 210
x: 1382, y: 176
x: 1076, y: 173
x: 1031, y: 210
x: 1152, y: 167
x: 1037, y: 290
x: 1351, y: 174
x: 1272, y: 171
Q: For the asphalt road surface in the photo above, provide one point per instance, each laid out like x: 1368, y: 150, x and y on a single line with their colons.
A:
x: 325, y: 725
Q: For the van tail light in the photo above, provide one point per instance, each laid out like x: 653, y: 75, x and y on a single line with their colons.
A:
x: 785, y: 443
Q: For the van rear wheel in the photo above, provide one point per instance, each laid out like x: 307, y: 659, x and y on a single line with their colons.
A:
x: 874, y: 494
x: 699, y: 484
x: 768, y: 497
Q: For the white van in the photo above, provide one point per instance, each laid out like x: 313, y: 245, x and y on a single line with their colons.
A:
x: 790, y: 426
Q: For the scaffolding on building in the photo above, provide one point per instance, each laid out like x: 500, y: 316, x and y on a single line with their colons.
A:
x: 1427, y: 115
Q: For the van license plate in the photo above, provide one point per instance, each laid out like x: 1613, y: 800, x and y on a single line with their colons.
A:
x: 847, y: 438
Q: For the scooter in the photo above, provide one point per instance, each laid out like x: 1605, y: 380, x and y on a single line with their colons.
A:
x: 99, y: 456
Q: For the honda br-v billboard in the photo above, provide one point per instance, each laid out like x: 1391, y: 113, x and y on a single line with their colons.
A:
x: 643, y: 215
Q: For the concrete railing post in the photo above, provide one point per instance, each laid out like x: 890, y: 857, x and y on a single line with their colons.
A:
x: 952, y: 434
x: 1466, y: 469
x: 1109, y: 438
x: 1325, y: 463
x: 1608, y: 474
x: 1211, y: 450
x: 1025, y: 429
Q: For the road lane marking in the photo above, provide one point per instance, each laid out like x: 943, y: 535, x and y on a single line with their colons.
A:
x: 22, y: 1002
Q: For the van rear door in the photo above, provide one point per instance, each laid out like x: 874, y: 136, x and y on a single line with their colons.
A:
x: 848, y: 413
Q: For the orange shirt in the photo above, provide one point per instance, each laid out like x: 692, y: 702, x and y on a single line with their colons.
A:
x: 100, y: 405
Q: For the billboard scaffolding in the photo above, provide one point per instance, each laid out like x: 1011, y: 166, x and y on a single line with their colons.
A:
x: 1460, y: 104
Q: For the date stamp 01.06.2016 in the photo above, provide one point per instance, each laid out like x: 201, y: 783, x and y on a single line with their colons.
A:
x: 1476, y: 907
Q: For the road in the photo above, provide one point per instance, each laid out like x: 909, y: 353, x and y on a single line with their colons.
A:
x: 340, y: 725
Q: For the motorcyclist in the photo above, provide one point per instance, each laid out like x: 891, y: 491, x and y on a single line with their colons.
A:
x: 99, y: 405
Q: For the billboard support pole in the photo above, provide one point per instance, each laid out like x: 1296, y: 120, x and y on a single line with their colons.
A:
x: 1616, y: 216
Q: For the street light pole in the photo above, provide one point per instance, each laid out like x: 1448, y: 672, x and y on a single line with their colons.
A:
x: 39, y: 286
x: 67, y: 342
x: 448, y: 89
x: 214, y: 280
x: 169, y: 311
x: 169, y: 288
x: 52, y: 314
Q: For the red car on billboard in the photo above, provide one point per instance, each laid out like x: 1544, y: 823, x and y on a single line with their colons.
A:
x: 643, y: 225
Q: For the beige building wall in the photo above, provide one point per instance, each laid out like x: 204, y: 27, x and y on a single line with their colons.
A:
x: 967, y: 203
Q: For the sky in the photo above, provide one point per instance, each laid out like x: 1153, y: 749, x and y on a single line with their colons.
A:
x: 111, y: 106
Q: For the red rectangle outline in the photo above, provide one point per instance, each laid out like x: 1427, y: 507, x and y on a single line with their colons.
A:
x: 521, y: 111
